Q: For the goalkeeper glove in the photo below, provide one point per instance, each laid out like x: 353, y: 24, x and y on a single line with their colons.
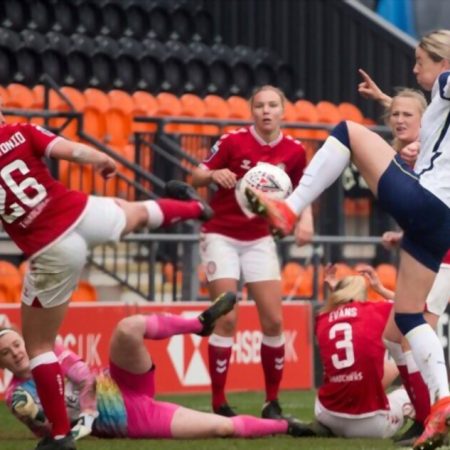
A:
x: 24, y: 405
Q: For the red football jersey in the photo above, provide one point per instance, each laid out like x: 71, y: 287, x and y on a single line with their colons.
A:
x: 352, y: 354
x: 239, y: 151
x: 35, y: 209
x: 446, y: 259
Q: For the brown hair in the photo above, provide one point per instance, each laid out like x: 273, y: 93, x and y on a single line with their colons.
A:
x: 437, y: 45
x: 350, y: 288
x: 267, y: 87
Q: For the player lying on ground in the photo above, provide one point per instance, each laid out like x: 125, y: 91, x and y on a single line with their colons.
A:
x: 119, y: 402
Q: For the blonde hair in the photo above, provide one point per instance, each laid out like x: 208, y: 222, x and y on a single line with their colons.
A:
x: 351, y: 288
x: 403, y: 92
x: 437, y: 45
x: 267, y: 87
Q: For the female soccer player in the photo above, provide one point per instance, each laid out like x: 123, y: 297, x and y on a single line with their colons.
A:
x: 419, y: 200
x: 119, y: 402
x: 351, y: 402
x: 232, y: 242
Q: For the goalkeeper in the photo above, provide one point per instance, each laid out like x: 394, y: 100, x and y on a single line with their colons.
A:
x: 119, y: 402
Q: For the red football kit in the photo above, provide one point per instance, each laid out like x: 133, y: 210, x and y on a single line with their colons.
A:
x: 35, y: 209
x: 239, y: 151
x: 352, y: 354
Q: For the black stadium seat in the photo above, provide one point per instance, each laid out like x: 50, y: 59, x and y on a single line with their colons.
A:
x: 42, y: 16
x: 9, y: 42
x: 114, y: 18
x: 15, y: 14
x: 66, y: 17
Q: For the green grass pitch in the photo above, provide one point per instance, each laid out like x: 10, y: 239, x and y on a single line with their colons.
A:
x: 14, y: 436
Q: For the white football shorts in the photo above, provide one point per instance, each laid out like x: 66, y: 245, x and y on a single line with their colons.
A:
x: 383, y: 424
x: 225, y: 257
x: 54, y: 273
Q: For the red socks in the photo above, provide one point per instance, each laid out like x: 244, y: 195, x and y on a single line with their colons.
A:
x: 219, y: 352
x: 174, y: 211
x: 272, y: 360
x: 417, y: 391
x: 50, y: 388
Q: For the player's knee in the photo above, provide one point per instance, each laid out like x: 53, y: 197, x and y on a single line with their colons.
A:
x: 272, y: 326
x: 225, y: 428
x: 341, y: 133
x: 226, y: 326
x: 129, y: 329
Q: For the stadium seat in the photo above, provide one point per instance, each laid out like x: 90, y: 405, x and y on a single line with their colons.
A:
x: 75, y: 176
x: 388, y: 275
x: 119, y: 117
x: 85, y: 292
x: 97, y: 105
x: 349, y: 111
x: 306, y: 112
x: 292, y: 276
x: 11, y: 281
x: 239, y: 108
x: 328, y: 113
x: 168, y: 105
x: 145, y: 105
x: 20, y: 97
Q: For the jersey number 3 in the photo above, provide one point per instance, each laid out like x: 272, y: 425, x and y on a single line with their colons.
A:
x: 343, y: 334
x: 20, y: 191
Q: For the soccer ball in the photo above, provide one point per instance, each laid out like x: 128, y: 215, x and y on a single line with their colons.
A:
x: 270, y: 179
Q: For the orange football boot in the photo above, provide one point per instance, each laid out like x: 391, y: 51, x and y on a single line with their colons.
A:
x: 277, y: 213
x: 436, y: 426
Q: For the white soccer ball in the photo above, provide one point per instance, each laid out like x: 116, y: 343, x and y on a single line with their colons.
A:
x: 265, y: 177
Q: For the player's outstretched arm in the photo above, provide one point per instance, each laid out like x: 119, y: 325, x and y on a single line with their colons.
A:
x: 84, y: 154
x: 369, y: 89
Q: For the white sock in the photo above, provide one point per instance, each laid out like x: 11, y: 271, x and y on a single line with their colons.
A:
x: 429, y: 357
x: 155, y: 214
x: 326, y: 166
x: 411, y: 362
x: 396, y: 352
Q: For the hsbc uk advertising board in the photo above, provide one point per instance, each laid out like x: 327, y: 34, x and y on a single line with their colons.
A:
x: 182, y: 360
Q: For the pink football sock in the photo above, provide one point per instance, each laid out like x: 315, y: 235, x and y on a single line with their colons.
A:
x: 161, y: 326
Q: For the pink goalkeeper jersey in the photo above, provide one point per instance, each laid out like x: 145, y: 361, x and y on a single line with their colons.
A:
x: 352, y: 355
x: 35, y: 209
x: 239, y: 151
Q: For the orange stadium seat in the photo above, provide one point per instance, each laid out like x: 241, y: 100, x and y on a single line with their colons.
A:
x: 388, y: 275
x: 239, y: 108
x: 20, y: 97
x: 56, y: 102
x: 145, y: 105
x: 168, y: 105
x: 76, y: 176
x: 119, y: 117
x: 203, y: 282
x: 4, y: 96
x: 307, y: 112
x: 192, y: 106
x: 349, y: 111
x: 216, y: 108
x: 11, y: 281
x: 97, y: 105
x: 85, y: 292
x: 327, y: 113
x: 292, y: 275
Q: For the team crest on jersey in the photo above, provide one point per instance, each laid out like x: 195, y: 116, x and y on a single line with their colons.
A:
x: 246, y: 164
